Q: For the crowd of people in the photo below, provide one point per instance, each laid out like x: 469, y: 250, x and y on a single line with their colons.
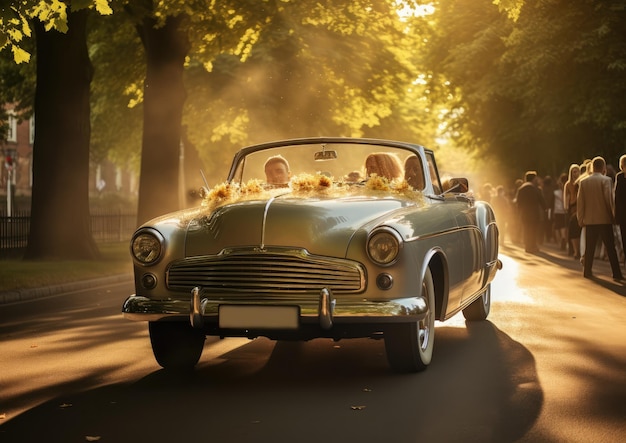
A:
x: 583, y: 212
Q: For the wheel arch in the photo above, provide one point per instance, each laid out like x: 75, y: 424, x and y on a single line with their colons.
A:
x: 438, y: 265
x: 487, y: 223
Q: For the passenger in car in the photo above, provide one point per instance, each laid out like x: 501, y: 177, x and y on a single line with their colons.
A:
x: 277, y: 170
x: 413, y: 172
x: 383, y: 164
x: 352, y: 177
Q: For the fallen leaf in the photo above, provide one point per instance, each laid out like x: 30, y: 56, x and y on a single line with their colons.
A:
x: 92, y: 438
x: 65, y: 405
x: 357, y: 408
x: 367, y: 390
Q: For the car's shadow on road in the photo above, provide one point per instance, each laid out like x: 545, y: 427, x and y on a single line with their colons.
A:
x: 481, y: 386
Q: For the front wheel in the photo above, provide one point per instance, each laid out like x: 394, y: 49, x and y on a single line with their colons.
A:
x: 409, y: 346
x: 176, y: 345
x: 479, y: 309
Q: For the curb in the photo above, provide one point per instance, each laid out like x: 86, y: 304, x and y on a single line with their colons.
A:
x: 20, y: 295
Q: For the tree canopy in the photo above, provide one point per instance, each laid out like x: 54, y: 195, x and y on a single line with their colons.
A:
x: 538, y: 84
x: 342, y: 68
x: 518, y: 84
x: 15, y: 21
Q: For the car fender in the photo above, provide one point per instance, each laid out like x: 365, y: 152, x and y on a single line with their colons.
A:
x: 436, y: 260
x: 486, y: 222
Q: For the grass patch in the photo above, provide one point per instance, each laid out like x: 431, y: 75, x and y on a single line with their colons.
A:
x: 18, y: 274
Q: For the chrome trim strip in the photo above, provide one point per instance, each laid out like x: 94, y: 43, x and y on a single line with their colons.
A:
x: 451, y: 230
x: 265, y: 211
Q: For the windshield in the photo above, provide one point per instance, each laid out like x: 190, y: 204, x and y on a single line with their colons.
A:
x: 341, y: 162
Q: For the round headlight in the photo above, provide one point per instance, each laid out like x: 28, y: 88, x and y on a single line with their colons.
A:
x: 147, y: 247
x: 383, y: 247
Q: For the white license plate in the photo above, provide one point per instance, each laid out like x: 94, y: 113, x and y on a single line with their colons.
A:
x: 258, y: 317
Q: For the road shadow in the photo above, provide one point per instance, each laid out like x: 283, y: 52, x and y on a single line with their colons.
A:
x: 482, y: 386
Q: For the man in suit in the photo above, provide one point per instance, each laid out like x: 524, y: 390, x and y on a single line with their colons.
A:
x: 595, y: 212
x: 531, y: 207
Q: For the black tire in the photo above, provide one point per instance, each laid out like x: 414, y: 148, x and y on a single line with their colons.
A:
x: 409, y: 346
x: 176, y: 345
x: 479, y: 309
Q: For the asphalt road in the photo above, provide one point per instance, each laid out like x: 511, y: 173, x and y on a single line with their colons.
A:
x: 548, y: 366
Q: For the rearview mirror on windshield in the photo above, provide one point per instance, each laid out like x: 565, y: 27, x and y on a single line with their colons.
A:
x: 324, y: 155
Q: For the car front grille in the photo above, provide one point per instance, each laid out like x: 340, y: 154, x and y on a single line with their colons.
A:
x: 260, y: 271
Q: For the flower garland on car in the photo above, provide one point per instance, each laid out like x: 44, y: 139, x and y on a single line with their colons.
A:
x: 308, y: 185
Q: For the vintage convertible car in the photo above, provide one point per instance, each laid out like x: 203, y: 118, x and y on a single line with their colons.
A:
x: 318, y: 237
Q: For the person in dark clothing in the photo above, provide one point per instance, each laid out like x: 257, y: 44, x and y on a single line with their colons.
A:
x: 620, y: 200
x: 531, y: 207
x: 547, y: 189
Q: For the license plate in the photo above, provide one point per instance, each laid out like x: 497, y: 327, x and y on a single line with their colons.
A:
x: 258, y: 317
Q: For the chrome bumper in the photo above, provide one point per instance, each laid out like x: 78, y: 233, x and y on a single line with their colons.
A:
x: 323, y: 310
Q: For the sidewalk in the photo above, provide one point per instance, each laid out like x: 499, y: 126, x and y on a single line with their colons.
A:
x: 21, y: 295
x: 552, y: 252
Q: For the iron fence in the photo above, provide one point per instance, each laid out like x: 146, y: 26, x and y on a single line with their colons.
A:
x: 112, y: 225
x: 14, y: 231
x: 107, y: 225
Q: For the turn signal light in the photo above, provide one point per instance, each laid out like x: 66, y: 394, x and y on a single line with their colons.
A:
x: 384, y: 281
x: 148, y: 281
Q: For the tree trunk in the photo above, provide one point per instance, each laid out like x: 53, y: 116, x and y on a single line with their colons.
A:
x: 193, y: 168
x: 60, y: 220
x: 164, y: 96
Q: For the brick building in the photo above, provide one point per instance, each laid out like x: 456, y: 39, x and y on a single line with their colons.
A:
x: 17, y: 165
x: 17, y: 155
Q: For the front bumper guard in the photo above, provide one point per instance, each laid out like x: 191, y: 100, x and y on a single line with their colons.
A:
x: 322, y: 309
x: 325, y: 309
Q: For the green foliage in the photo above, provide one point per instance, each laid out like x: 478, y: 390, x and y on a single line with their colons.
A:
x: 294, y: 69
x: 17, y: 86
x: 119, y: 69
x: 511, y: 7
x: 15, y: 26
x: 530, y: 83
x: 266, y: 70
x: 537, y: 83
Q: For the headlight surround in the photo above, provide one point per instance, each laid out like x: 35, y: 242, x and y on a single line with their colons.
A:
x: 147, y: 246
x: 383, y: 246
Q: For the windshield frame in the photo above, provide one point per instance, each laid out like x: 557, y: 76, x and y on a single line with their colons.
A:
x: 240, y: 172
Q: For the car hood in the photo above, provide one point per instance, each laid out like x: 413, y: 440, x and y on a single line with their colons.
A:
x: 322, y: 226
